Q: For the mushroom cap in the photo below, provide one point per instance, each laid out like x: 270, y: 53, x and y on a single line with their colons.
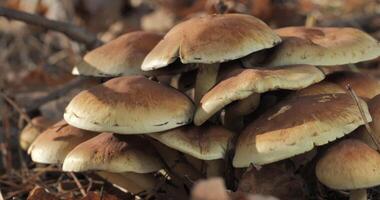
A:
x: 52, y: 146
x: 207, y: 43
x: 323, y: 46
x: 31, y: 131
x: 349, y: 165
x: 364, y: 85
x: 113, y: 153
x: 297, y: 125
x: 250, y: 81
x: 323, y: 87
x: 208, y: 142
x: 129, y: 105
x: 121, y: 56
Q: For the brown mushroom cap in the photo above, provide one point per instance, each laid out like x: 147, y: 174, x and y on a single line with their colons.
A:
x: 31, y: 131
x: 52, y: 146
x: 349, y: 165
x: 113, y: 153
x: 365, y: 86
x: 323, y: 87
x: 129, y: 105
x: 207, y: 43
x: 121, y: 56
x: 323, y: 46
x: 297, y: 125
x: 208, y: 142
x: 251, y: 81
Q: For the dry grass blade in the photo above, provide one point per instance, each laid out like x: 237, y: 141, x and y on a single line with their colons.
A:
x: 82, y: 190
x: 366, y: 123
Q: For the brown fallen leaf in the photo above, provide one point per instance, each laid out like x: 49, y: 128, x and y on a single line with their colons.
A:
x: 39, y: 193
x: 98, y: 196
x: 273, y: 179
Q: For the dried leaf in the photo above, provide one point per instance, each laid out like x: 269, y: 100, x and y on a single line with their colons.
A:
x: 39, y: 193
x: 98, y: 196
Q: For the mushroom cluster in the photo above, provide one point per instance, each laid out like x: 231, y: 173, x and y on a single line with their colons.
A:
x: 218, y: 93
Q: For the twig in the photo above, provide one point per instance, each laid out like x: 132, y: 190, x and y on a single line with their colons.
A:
x: 15, y: 106
x: 366, y: 123
x: 82, y: 190
x: 60, y: 91
x: 73, y: 32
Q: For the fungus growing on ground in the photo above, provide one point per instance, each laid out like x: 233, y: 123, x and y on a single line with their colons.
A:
x: 207, y: 43
x: 129, y: 105
x: 350, y: 165
x: 297, y: 125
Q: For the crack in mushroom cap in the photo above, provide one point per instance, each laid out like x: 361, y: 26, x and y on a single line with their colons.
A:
x: 52, y: 146
x: 211, y: 39
x: 114, y: 153
x: 323, y: 46
x: 121, y: 56
x: 208, y: 142
x: 296, y: 126
x: 349, y: 165
x: 364, y: 85
x: 250, y: 81
x: 129, y: 105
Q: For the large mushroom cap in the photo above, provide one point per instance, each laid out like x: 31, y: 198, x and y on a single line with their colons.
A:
x: 323, y: 46
x: 122, y: 56
x: 208, y: 142
x: 349, y: 165
x: 251, y: 81
x: 297, y: 125
x: 113, y: 153
x: 206, y: 40
x: 364, y: 85
x: 52, y: 146
x: 129, y: 105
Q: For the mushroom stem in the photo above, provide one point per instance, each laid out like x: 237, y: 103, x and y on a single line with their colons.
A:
x: 132, y: 182
x: 215, y: 168
x: 206, y: 79
x: 233, y: 117
x: 360, y: 194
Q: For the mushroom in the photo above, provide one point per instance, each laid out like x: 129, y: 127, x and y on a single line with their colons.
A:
x: 323, y: 46
x: 350, y: 165
x: 250, y: 81
x: 31, y: 131
x: 129, y: 105
x: 206, y: 45
x: 364, y: 85
x: 123, y: 56
x: 114, y: 153
x: 208, y: 143
x: 117, y: 154
x: 297, y: 125
x: 52, y: 146
x: 324, y: 87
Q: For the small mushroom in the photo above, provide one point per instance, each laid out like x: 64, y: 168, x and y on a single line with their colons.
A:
x: 208, y: 143
x: 350, y: 165
x: 250, y: 81
x: 123, y: 56
x: 32, y: 130
x: 297, y: 125
x: 129, y: 105
x: 52, y: 146
x: 323, y: 46
x: 206, y: 45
